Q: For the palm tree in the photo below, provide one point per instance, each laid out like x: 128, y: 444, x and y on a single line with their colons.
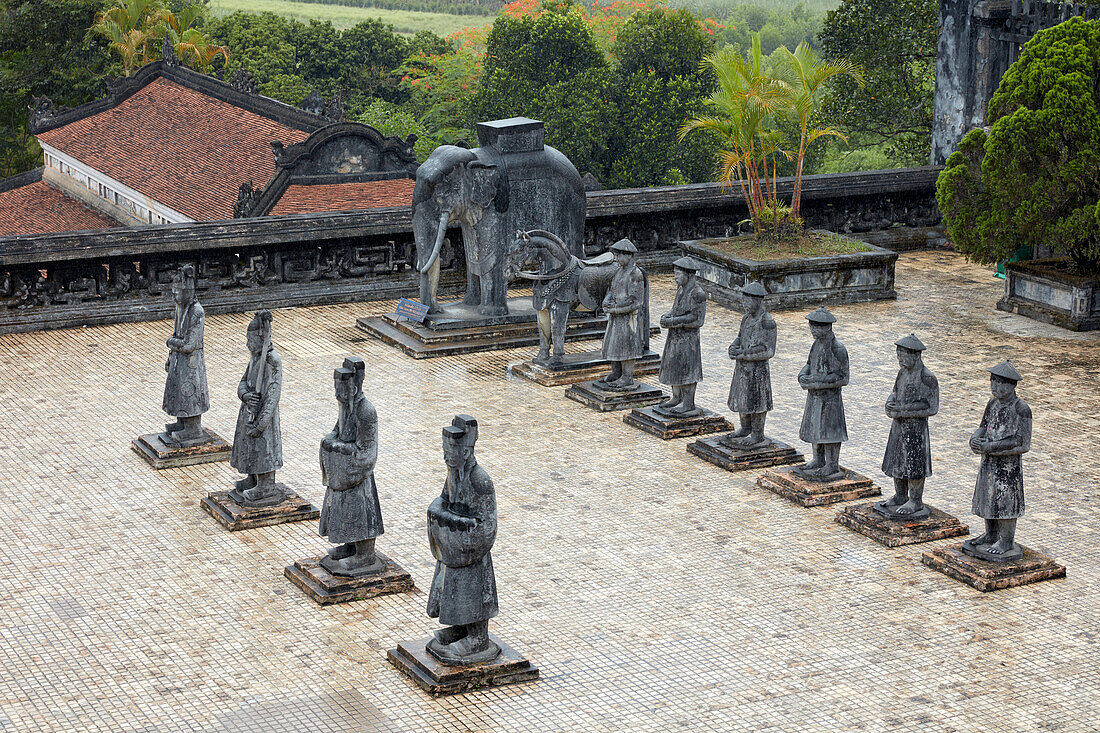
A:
x: 193, y: 47
x: 805, y: 76
x: 744, y: 100
x: 133, y: 29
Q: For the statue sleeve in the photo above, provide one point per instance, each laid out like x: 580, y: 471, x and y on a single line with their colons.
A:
x: 770, y: 334
x: 242, y: 388
x: 933, y: 385
x: 366, y: 440
x: 841, y: 355
x: 273, y: 389
x: 192, y: 340
x: 1023, y: 436
x: 698, y: 309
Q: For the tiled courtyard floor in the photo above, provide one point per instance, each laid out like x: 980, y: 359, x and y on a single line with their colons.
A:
x: 656, y: 592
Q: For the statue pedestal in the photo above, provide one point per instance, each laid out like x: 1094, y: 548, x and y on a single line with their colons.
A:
x: 987, y: 576
x: 437, y: 678
x: 460, y: 329
x: 583, y: 367
x: 808, y: 493
x: 735, y: 458
x: 605, y: 400
x: 160, y: 454
x: 864, y: 519
x: 325, y: 588
x: 233, y: 516
x: 667, y: 427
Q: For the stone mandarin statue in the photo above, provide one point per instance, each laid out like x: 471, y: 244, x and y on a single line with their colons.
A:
x: 823, y: 423
x: 627, y: 308
x: 258, y: 442
x: 185, y: 393
x: 751, y: 389
x: 908, y: 459
x: 462, y: 526
x: 682, y: 360
x: 1002, y: 438
x: 351, y: 517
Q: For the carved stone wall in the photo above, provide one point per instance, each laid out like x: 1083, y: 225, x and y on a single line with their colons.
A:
x: 979, y: 40
x: 74, y: 279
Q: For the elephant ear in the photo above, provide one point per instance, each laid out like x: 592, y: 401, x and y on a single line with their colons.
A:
x: 488, y: 184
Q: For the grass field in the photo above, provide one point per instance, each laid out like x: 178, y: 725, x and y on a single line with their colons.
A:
x: 342, y: 16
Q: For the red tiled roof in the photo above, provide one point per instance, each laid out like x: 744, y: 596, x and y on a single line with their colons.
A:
x: 38, y: 208
x: 299, y: 199
x: 178, y: 146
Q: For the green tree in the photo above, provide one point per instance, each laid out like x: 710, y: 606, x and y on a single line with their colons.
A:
x: 133, y: 29
x: 894, y: 42
x: 667, y: 42
x: 192, y: 45
x: 1034, y: 177
x: 45, y: 50
x: 806, y: 76
x: 745, y: 101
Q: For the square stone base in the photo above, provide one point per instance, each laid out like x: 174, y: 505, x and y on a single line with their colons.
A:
x: 587, y: 393
x: 325, y: 588
x: 437, y: 678
x: 583, y: 367
x: 989, y: 576
x: 818, y: 493
x: 667, y: 427
x: 734, y: 458
x: 162, y: 455
x: 233, y: 516
x: 864, y: 519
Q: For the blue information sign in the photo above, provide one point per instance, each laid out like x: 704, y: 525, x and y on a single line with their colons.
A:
x: 411, y: 309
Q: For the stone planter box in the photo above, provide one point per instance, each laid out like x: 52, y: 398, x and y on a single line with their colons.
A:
x: 795, y: 283
x: 1040, y: 289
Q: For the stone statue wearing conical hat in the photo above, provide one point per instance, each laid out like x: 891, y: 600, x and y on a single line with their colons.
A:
x: 823, y: 424
x: 908, y: 458
x: 1002, y: 438
x: 751, y: 389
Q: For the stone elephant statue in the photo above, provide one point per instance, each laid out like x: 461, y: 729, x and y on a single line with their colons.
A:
x: 457, y: 186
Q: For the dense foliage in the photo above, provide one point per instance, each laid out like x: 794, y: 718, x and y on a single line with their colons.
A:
x: 894, y: 42
x: 421, y: 6
x: 1034, y: 177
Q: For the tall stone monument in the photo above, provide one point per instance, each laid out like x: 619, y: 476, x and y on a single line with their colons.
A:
x: 185, y: 441
x: 994, y: 559
x: 462, y: 527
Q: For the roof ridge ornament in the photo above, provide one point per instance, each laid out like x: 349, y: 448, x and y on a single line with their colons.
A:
x: 43, y: 111
x: 243, y: 81
x: 168, y: 50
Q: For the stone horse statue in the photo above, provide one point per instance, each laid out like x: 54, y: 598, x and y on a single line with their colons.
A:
x: 562, y: 283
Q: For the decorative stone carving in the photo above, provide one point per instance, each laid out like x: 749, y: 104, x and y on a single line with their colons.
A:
x: 682, y: 360
x: 823, y: 376
x: 334, y: 108
x: 168, y: 51
x: 43, y: 111
x: 247, y: 196
x: 314, y: 103
x: 627, y: 308
x: 243, y: 81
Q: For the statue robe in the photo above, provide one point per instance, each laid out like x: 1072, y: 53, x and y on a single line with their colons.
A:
x: 185, y: 391
x: 464, y: 589
x: 627, y: 335
x: 751, y: 388
x: 682, y: 360
x: 264, y: 453
x: 823, y: 419
x: 908, y: 451
x: 351, y: 512
x: 999, y: 491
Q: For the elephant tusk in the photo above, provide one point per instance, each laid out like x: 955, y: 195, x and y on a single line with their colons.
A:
x: 443, y: 221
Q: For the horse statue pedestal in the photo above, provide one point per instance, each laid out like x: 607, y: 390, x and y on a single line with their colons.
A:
x: 460, y: 329
x: 584, y: 366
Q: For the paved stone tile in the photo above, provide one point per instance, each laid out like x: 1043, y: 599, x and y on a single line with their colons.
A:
x: 655, y: 592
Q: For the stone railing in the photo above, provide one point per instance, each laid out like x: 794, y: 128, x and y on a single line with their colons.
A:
x: 115, y: 275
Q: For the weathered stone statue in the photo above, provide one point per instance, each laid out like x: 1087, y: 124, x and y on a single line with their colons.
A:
x: 682, y: 360
x: 462, y: 526
x: 351, y: 517
x: 258, y: 442
x: 908, y: 459
x: 1002, y: 438
x: 823, y: 423
x: 751, y: 389
x: 627, y: 308
x: 185, y: 393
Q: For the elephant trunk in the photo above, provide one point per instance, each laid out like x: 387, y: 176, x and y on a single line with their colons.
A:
x: 444, y: 219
